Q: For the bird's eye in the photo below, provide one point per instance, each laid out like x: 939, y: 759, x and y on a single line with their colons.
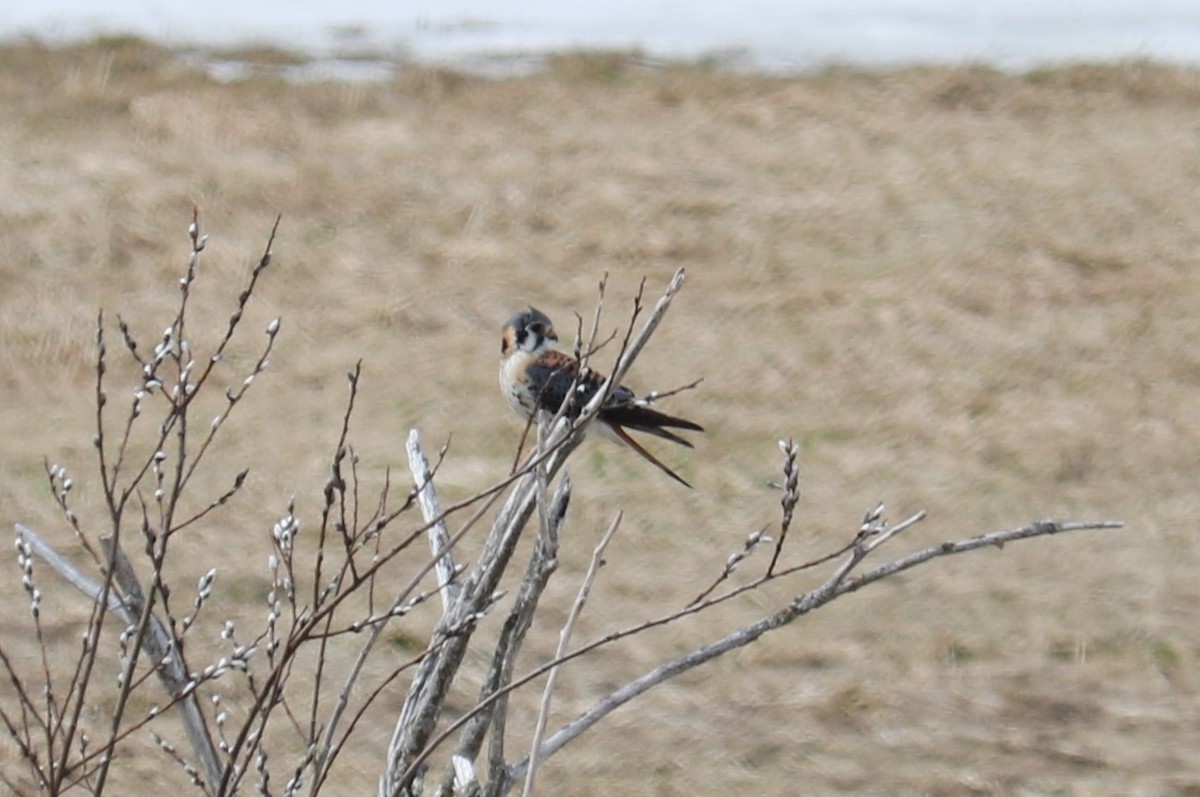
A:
x: 537, y: 327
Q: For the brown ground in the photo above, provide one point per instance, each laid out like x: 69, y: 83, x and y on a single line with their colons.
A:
x: 965, y: 291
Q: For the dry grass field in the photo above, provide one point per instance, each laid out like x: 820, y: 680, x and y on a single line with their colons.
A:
x: 962, y: 290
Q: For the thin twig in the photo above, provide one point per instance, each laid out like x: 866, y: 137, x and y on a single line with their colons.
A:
x: 564, y: 639
x: 799, y: 606
x: 791, y: 495
x: 659, y: 395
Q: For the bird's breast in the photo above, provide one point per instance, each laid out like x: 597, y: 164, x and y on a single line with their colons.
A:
x: 514, y: 384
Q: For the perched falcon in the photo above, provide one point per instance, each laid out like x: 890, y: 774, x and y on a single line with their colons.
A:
x: 536, y: 376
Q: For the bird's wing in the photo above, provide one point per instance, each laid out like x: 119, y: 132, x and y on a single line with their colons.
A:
x: 552, y: 377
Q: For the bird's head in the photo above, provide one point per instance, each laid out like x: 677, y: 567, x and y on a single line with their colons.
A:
x: 529, y: 330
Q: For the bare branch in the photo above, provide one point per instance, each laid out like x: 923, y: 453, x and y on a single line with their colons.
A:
x: 834, y: 587
x: 542, y: 564
x: 659, y: 395
x: 167, y: 660
x: 791, y: 495
x: 157, y: 643
x: 754, y: 540
x: 431, y: 510
x: 564, y: 639
x: 71, y: 574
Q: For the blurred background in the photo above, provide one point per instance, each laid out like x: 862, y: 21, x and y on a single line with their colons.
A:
x: 959, y: 269
x: 776, y: 35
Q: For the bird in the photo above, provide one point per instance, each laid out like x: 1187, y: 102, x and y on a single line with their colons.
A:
x: 535, y: 376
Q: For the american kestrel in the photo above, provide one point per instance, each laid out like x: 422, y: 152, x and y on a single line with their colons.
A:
x: 536, y: 376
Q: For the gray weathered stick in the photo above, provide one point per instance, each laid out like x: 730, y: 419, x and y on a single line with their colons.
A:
x: 431, y: 510
x: 542, y: 565
x: 157, y: 644
x: 71, y: 574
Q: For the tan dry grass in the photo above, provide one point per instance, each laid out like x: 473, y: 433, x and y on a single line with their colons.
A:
x: 962, y: 290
